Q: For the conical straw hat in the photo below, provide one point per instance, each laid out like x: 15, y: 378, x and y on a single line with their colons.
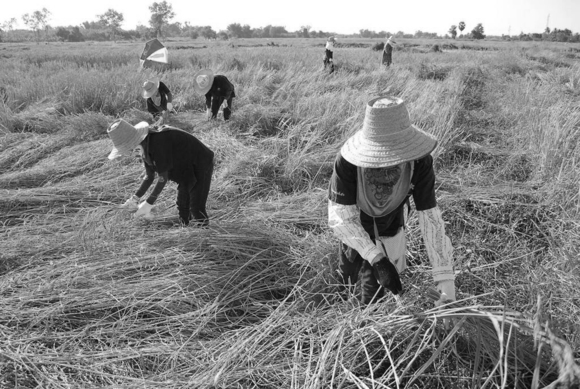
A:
x: 387, y: 138
x: 125, y: 137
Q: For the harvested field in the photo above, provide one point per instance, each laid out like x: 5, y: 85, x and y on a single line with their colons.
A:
x: 90, y: 297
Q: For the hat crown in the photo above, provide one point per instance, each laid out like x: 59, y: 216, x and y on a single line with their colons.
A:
x: 148, y: 85
x: 382, y: 122
x: 202, y: 80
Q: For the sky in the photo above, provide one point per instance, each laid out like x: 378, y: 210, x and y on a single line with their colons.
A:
x: 342, y: 17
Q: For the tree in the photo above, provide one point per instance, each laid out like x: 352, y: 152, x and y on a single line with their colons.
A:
x: 161, y: 14
x: 235, y: 30
x: 37, y: 21
x: 8, y: 25
x: 477, y: 32
x: 112, y: 20
x: 63, y: 34
x: 207, y: 32
x: 453, y: 31
x: 305, y: 31
x: 461, y: 26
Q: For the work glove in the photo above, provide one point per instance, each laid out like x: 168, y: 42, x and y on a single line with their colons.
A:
x: 169, y: 107
x: 447, y: 290
x: 131, y: 204
x: 225, y: 104
x: 144, y: 210
x: 387, y: 275
x: 208, y: 113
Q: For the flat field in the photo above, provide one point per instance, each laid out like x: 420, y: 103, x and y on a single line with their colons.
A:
x: 90, y: 297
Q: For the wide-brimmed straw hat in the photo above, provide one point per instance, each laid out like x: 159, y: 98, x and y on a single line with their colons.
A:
x: 150, y: 87
x: 331, y: 39
x: 125, y: 137
x: 202, y: 81
x: 387, y: 137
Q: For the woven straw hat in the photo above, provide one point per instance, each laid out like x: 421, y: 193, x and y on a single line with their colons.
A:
x: 202, y: 81
x: 125, y: 137
x: 387, y: 138
x: 150, y: 87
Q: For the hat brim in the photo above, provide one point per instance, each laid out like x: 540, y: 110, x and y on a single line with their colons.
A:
x: 127, y: 149
x: 146, y: 94
x: 197, y: 88
x: 360, y: 151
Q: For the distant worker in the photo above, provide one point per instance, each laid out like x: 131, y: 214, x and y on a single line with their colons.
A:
x: 375, y: 172
x: 218, y: 91
x: 159, y: 99
x: 387, y: 59
x: 174, y: 155
x: 329, y: 54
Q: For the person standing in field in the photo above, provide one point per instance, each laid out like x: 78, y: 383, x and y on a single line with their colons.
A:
x: 174, y: 155
x: 218, y: 91
x: 387, y: 58
x: 159, y: 99
x: 329, y: 54
x: 375, y: 172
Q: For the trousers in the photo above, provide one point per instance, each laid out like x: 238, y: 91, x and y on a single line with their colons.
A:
x: 192, y: 197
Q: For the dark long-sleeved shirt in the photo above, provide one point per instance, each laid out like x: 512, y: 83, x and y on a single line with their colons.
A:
x: 221, y: 87
x: 156, y: 110
x: 172, y: 154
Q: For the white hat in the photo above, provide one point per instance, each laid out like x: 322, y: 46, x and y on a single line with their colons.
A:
x: 150, y: 87
x: 125, y: 137
x: 203, y: 81
x: 387, y: 137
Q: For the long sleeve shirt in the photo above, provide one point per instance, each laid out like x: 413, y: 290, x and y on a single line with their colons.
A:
x: 166, y: 97
x: 173, y: 154
x: 357, y: 229
x: 221, y: 89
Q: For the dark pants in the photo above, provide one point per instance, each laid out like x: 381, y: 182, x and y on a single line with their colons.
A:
x: 350, y: 264
x: 387, y: 58
x: 217, y: 101
x: 192, y: 197
x: 328, y: 62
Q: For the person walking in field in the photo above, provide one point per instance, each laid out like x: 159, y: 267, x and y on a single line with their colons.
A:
x: 329, y: 54
x: 159, y: 99
x: 387, y: 59
x: 174, y: 155
x: 218, y: 91
x: 375, y: 172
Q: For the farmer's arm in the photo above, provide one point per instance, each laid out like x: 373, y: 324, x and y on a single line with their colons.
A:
x: 165, y: 90
x: 343, y: 213
x: 147, y: 181
x: 431, y: 224
x: 161, y: 181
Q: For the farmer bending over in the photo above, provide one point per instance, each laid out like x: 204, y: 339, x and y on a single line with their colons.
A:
x: 159, y: 99
x: 374, y: 173
x: 174, y: 155
x: 217, y: 89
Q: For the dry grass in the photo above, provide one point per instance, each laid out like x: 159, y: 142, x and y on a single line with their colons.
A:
x: 92, y: 298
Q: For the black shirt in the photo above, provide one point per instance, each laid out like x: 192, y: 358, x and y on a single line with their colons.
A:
x: 173, y: 154
x: 343, y: 190
x: 221, y: 87
x: 156, y: 110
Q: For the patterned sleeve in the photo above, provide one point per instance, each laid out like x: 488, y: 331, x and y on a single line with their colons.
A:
x: 439, y: 249
x: 344, y: 220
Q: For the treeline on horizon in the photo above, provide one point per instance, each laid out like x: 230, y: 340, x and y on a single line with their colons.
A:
x: 107, y: 27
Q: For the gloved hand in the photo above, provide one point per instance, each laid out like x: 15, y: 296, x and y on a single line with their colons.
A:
x: 447, y: 290
x: 144, y: 210
x: 387, y: 275
x: 208, y: 113
x: 131, y: 204
x: 225, y: 104
x: 169, y: 107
